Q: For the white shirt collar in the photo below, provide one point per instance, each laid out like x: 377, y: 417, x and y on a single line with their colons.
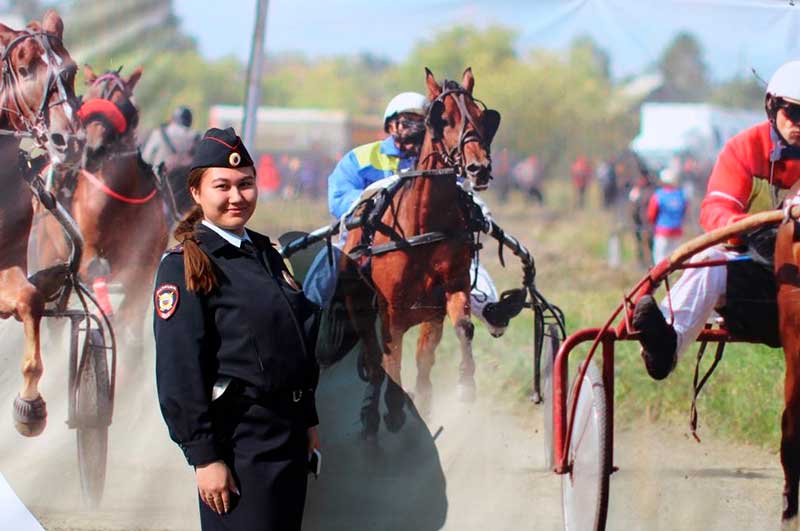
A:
x: 228, y: 236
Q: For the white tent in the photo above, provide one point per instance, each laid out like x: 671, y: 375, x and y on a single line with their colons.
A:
x: 701, y: 129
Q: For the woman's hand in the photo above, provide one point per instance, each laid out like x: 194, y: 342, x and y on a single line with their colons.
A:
x: 313, y: 439
x: 215, y: 483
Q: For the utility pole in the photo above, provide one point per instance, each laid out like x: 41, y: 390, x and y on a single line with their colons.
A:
x: 253, y: 88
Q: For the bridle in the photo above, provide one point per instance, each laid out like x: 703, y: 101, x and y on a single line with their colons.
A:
x: 112, y: 83
x: 454, y: 156
x: 35, y: 123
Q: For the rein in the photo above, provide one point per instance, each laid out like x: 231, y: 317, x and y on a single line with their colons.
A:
x: 99, y: 183
x: 454, y: 157
x: 55, y: 81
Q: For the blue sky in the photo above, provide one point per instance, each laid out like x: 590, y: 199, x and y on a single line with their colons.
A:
x: 736, y: 34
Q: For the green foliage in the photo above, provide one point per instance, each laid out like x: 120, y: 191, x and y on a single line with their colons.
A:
x: 685, y: 73
x: 554, y: 105
x: 740, y: 92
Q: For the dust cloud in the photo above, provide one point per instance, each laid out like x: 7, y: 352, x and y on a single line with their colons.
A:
x: 485, y: 468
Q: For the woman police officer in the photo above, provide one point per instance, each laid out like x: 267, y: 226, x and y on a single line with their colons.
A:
x: 235, y: 363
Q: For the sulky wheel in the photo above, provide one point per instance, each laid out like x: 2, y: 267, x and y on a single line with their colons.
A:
x: 584, y: 490
x: 549, y: 350
x: 93, y: 416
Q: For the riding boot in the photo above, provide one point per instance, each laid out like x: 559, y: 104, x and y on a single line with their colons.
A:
x: 499, y: 313
x: 657, y: 337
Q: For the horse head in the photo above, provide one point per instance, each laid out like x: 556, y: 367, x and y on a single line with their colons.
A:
x: 37, y: 91
x: 461, y: 128
x: 109, y: 113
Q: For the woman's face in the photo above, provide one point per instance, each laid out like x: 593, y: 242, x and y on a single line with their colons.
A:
x: 227, y: 196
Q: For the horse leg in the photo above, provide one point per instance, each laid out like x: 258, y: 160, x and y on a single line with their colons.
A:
x: 395, y: 397
x: 790, y: 427
x: 19, y: 298
x: 429, y: 337
x: 131, y: 312
x: 458, y: 311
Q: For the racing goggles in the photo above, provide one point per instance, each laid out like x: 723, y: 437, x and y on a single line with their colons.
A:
x: 792, y: 111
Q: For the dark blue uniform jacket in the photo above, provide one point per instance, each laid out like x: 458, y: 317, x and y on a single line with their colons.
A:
x: 254, y: 327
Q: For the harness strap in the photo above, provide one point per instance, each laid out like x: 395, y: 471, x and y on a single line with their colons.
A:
x: 96, y: 181
x: 699, y: 386
x: 413, y: 241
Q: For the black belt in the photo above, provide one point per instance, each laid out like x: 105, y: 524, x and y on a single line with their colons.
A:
x: 247, y: 390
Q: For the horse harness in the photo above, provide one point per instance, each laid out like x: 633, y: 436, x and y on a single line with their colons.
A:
x: 454, y: 157
x: 122, y: 116
x: 369, y: 220
x: 55, y: 81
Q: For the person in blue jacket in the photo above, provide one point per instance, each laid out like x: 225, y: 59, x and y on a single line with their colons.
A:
x: 404, y: 120
x: 666, y: 211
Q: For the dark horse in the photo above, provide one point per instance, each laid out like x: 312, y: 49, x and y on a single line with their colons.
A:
x: 37, y: 100
x: 421, y: 285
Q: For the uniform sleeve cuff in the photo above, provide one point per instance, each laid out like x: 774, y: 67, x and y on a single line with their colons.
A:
x: 200, y: 452
x: 312, y: 419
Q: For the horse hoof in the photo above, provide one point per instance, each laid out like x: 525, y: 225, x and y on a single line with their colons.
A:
x: 394, y: 421
x: 467, y: 392
x: 30, y: 416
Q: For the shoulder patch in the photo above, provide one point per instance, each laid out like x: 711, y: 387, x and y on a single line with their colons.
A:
x: 178, y: 249
x: 166, y: 300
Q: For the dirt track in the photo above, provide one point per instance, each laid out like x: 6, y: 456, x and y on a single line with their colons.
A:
x: 491, y: 460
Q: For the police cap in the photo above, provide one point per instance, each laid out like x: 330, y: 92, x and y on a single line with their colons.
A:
x: 221, y: 148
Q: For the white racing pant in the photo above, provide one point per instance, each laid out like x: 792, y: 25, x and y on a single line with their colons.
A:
x: 695, y: 296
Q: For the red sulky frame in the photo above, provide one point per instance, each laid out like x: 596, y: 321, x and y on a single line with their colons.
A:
x: 609, y: 334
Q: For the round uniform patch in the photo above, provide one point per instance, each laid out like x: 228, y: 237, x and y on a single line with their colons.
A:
x: 235, y: 159
x: 166, y: 300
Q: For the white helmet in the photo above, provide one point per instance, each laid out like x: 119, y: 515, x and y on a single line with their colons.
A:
x: 668, y: 176
x: 405, y: 102
x: 785, y: 82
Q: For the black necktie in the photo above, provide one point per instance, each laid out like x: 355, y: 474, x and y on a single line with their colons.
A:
x: 250, y: 249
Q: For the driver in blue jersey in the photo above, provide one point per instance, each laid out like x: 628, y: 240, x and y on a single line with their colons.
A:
x: 404, y: 121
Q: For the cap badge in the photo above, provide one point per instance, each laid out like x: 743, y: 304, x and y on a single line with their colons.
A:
x: 234, y: 159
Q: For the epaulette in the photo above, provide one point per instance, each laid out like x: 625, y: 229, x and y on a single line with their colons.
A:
x: 178, y: 249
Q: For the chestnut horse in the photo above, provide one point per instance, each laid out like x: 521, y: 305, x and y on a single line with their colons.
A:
x: 787, y: 272
x: 423, y: 284
x: 37, y: 99
x: 116, y: 204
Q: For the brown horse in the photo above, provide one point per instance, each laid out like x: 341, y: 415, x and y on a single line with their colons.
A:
x: 37, y: 99
x: 116, y: 203
x: 421, y: 285
x: 787, y: 271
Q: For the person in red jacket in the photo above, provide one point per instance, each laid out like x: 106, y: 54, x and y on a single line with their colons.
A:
x: 582, y: 171
x: 750, y: 172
